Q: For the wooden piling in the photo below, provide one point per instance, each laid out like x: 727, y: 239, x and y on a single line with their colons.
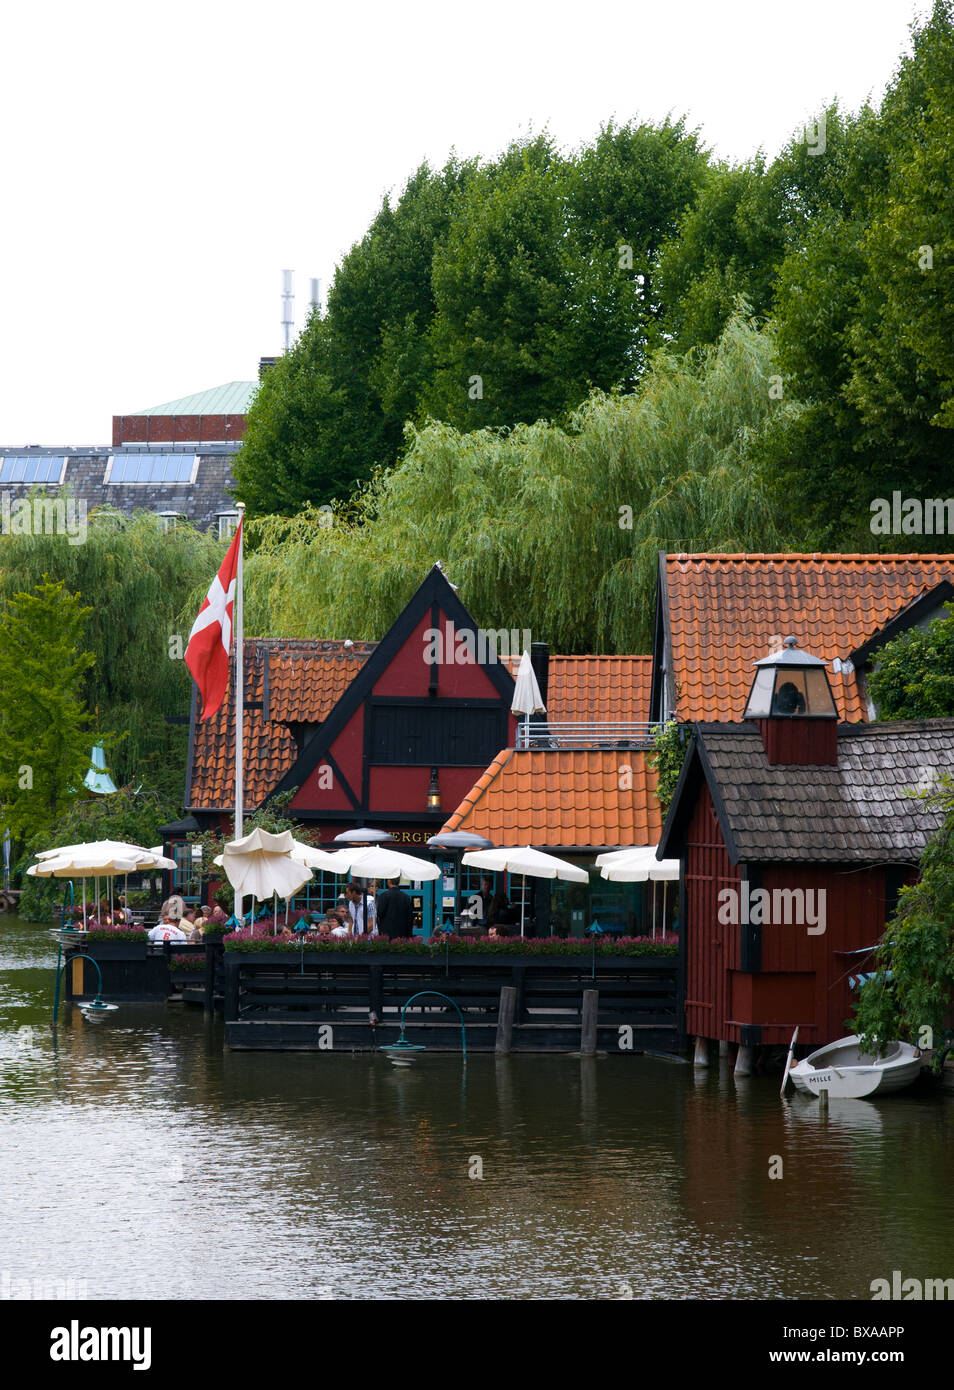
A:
x: 700, y: 1054
x: 744, y: 1060
x: 505, y: 1016
x: 591, y: 999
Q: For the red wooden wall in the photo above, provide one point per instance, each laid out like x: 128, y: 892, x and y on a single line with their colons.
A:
x: 803, y: 978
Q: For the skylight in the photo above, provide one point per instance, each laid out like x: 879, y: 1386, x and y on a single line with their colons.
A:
x: 150, y: 468
x: 29, y: 468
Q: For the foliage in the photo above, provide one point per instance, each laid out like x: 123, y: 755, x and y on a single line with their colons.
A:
x: 666, y: 760
x: 548, y: 528
x: 913, y: 987
x: 244, y: 943
x: 863, y: 330
x: 45, y: 737
x: 914, y: 675
x: 144, y: 587
x: 534, y: 272
x: 124, y: 815
x: 213, y: 842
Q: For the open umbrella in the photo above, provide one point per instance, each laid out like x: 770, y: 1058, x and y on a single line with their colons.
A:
x: 96, y: 859
x: 527, y: 861
x: 640, y: 865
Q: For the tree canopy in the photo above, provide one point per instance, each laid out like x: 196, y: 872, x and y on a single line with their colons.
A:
x: 44, y: 724
x: 547, y: 527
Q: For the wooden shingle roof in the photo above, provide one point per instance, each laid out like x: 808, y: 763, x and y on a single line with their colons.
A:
x: 856, y: 812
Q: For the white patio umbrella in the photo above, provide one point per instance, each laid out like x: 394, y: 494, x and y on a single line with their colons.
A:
x: 527, y: 699
x: 527, y: 861
x: 97, y: 859
x: 640, y: 865
x: 261, y: 865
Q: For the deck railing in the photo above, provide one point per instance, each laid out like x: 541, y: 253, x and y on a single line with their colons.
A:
x: 587, y: 734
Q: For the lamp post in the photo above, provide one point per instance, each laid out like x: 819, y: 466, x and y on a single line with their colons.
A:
x: 458, y: 842
x: 94, y: 1010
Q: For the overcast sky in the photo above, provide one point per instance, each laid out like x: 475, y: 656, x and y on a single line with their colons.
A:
x: 164, y: 162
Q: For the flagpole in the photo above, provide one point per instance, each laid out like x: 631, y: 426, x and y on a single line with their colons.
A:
x: 239, y: 689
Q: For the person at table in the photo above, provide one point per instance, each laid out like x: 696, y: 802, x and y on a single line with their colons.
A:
x: 340, y: 926
x: 167, y: 930
x: 395, y: 914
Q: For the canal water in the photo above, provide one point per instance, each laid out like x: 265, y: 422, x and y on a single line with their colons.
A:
x: 138, y: 1159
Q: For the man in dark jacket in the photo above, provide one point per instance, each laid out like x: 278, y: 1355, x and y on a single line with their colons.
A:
x: 394, y: 911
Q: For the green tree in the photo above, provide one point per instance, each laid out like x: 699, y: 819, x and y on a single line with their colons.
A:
x: 44, y: 724
x: 913, y: 985
x: 144, y: 588
x: 333, y: 408
x: 553, y: 528
x: 135, y: 817
x: 914, y: 675
x: 863, y: 331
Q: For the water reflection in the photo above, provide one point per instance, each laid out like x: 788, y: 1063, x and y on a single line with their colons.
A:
x: 182, y: 1170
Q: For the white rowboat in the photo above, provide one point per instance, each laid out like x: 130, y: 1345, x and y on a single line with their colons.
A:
x: 845, y: 1072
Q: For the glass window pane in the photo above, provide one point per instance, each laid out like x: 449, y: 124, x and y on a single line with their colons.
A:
x: 5, y: 470
x: 760, y: 699
x: 29, y: 475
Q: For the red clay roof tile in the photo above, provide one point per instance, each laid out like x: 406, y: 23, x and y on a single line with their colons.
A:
x: 563, y: 798
x: 727, y: 611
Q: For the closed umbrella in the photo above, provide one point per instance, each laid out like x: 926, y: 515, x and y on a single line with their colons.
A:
x: 527, y: 861
x: 261, y: 865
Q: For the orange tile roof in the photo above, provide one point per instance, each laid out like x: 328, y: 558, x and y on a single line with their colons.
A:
x: 305, y: 681
x: 596, y: 687
x: 727, y: 611
x: 563, y: 798
x: 599, y: 687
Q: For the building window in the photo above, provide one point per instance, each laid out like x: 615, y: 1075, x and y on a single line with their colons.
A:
x: 168, y: 521
x: 20, y: 468
x: 151, y: 468
x: 227, y: 524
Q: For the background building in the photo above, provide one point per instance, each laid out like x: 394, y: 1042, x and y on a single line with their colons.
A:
x: 173, y: 459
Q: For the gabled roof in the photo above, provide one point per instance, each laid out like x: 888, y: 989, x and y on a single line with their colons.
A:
x: 234, y: 398
x: 723, y: 612
x: 562, y: 799
x: 290, y: 682
x: 855, y: 812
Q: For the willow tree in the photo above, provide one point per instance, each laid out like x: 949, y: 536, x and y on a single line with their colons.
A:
x: 139, y: 583
x: 541, y: 527
x: 44, y: 724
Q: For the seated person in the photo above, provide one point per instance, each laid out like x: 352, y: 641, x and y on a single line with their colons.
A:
x: 166, y: 930
x: 338, y: 924
x: 788, y: 699
x: 499, y: 931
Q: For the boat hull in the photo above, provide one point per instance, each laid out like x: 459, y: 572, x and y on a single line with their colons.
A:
x: 830, y: 1069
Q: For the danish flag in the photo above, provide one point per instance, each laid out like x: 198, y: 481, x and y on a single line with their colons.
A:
x: 210, y: 641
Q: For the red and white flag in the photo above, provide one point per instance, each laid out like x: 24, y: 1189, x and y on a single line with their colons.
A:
x: 210, y: 641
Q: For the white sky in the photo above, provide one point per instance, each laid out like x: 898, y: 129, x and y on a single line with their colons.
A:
x: 164, y: 162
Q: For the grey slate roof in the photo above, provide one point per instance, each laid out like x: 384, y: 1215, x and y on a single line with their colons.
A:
x: 856, y: 812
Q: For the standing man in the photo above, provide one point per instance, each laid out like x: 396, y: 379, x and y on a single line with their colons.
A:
x: 394, y: 910
x: 357, y: 898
